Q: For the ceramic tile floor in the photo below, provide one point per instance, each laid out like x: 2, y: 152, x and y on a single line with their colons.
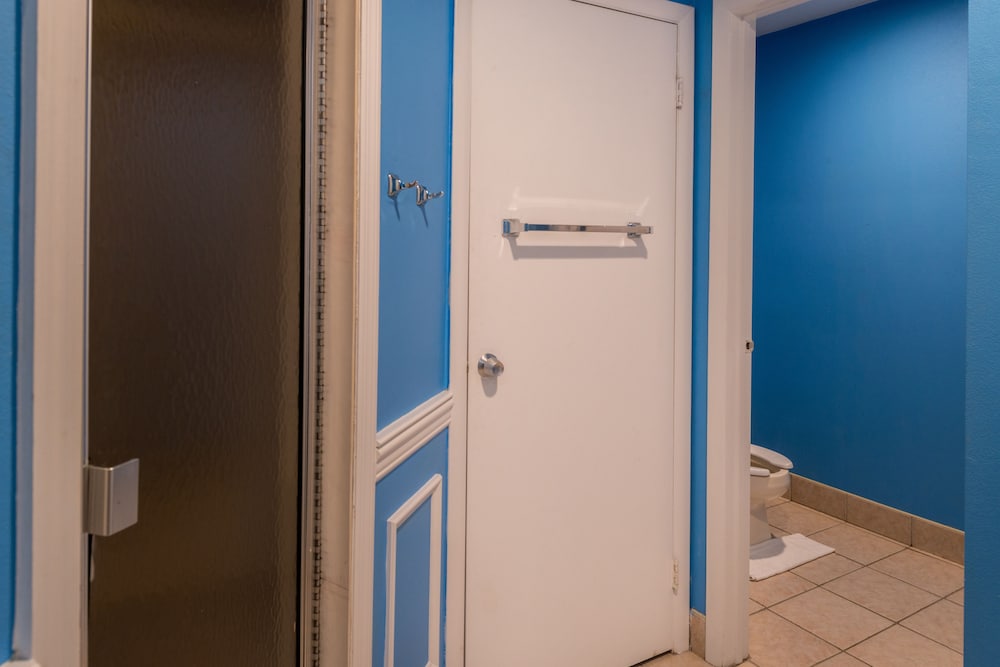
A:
x: 873, y: 603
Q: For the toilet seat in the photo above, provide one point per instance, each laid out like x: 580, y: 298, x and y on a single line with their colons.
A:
x: 768, y: 457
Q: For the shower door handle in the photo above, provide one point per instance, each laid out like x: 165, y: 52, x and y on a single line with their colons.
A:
x: 111, y: 498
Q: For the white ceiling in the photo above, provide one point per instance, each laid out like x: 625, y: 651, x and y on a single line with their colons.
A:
x: 802, y: 13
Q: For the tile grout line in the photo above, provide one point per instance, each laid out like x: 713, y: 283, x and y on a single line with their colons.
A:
x: 810, y: 632
x: 861, y: 641
x: 842, y: 650
x: 930, y: 604
x: 910, y: 583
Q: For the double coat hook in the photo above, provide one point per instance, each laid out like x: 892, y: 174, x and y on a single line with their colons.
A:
x: 397, y: 185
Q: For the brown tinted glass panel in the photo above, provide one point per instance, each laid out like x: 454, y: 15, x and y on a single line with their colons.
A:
x: 194, y: 327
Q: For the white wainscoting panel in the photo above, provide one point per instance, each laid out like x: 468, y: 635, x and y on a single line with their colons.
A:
x: 432, y: 491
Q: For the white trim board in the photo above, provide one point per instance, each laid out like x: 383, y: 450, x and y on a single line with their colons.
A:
x: 783, y: 14
x: 729, y: 326
x: 683, y: 290
x: 730, y: 275
x: 459, y: 304
x: 803, y: 13
x: 54, y: 182
x: 366, y: 261
x: 402, y: 438
x: 338, y: 355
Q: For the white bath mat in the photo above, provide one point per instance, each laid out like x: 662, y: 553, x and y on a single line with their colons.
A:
x: 780, y: 554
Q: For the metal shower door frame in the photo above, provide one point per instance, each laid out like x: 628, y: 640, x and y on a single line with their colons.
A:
x: 50, y: 619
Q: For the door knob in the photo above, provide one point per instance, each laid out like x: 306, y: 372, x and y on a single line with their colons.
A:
x: 490, y: 366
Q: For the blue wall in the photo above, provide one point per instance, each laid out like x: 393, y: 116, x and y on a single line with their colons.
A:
x: 982, y: 510
x: 9, y: 112
x: 859, y: 252
x: 702, y: 99
x: 414, y: 246
x: 983, y: 381
x: 414, y: 270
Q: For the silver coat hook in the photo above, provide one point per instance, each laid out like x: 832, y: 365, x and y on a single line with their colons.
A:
x: 424, y: 195
x: 396, y: 185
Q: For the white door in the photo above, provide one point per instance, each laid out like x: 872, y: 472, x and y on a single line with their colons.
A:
x: 570, y: 516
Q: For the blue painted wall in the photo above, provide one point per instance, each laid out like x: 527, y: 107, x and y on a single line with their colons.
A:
x: 702, y: 99
x: 414, y: 246
x: 412, y: 557
x: 699, y: 321
x: 859, y: 252
x: 9, y: 113
x: 982, y: 509
x: 414, y: 269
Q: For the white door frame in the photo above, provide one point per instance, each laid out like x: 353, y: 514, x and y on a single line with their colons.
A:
x: 51, y: 577
x: 683, y: 17
x: 51, y: 546
x: 729, y: 320
x: 728, y: 428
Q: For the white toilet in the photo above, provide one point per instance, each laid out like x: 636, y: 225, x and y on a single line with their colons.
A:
x: 769, y: 479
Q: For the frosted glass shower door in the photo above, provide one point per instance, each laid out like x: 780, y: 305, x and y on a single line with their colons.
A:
x: 194, y: 322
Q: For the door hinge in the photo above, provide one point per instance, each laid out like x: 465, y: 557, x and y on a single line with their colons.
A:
x: 677, y: 576
x: 110, y: 498
x: 680, y: 93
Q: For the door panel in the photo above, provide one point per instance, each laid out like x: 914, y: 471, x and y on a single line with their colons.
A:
x: 570, y: 450
x: 194, y: 327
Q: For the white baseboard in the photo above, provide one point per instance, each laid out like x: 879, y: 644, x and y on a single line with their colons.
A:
x: 20, y: 663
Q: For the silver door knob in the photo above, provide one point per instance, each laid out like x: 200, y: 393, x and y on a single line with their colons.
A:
x: 490, y: 366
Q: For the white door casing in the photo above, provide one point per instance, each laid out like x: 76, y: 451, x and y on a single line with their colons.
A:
x: 578, y: 454
x: 729, y: 330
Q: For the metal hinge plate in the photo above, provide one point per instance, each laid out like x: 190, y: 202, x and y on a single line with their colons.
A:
x: 111, y: 498
x: 677, y: 576
x: 680, y: 93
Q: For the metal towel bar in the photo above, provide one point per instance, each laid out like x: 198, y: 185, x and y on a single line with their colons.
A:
x: 513, y: 227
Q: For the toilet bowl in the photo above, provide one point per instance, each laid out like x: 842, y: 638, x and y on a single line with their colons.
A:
x: 769, y: 478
